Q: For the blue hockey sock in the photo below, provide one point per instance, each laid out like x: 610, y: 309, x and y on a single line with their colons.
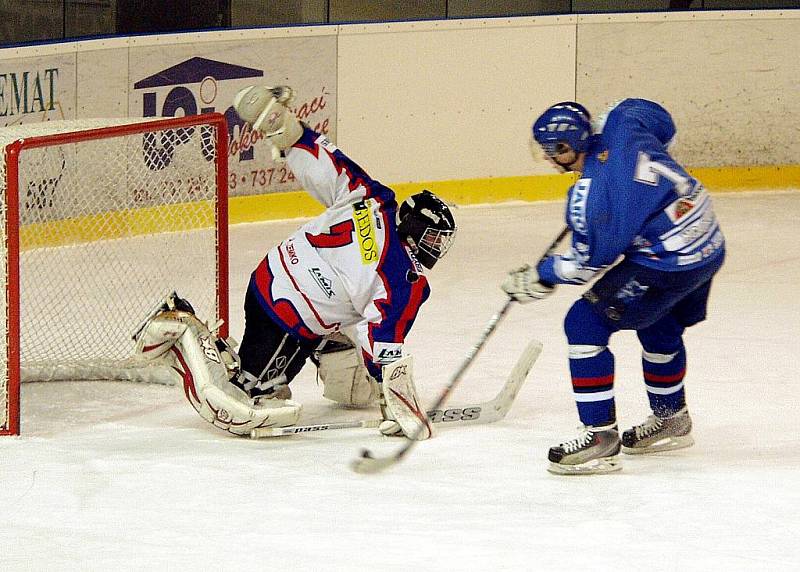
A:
x: 663, y: 376
x: 593, y: 388
x: 591, y: 365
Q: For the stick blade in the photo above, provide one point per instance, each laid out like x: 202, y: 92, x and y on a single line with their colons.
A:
x: 367, y: 464
x: 499, y: 407
x: 522, y: 368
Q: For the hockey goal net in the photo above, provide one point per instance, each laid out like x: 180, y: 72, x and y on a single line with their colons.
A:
x: 100, y: 219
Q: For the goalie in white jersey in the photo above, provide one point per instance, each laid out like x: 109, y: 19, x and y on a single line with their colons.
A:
x: 359, y: 267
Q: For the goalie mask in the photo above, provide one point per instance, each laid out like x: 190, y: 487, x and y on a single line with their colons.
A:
x: 427, y: 225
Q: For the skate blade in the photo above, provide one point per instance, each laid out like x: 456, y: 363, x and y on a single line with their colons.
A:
x: 666, y: 444
x: 599, y: 466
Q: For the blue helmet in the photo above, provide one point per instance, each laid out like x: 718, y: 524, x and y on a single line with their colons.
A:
x: 565, y: 122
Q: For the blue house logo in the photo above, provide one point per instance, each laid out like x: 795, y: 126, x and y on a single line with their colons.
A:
x: 203, y: 73
x: 206, y: 74
x: 197, y: 85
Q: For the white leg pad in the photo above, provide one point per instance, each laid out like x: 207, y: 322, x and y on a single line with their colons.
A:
x: 346, y: 380
x: 402, y: 404
x: 206, y: 384
x: 159, y: 335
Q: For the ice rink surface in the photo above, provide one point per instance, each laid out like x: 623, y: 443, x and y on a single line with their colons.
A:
x: 120, y: 476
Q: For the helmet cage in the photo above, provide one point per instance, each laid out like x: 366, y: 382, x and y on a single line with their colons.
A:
x: 436, y: 242
x: 556, y: 148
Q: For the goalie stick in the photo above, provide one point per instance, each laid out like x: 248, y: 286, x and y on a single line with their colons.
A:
x: 366, y: 462
x: 457, y: 415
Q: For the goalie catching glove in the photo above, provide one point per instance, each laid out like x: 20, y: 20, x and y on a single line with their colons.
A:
x: 523, y: 285
x: 205, y: 365
x: 265, y: 108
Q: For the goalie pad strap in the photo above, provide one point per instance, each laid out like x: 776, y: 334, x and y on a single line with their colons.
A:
x: 159, y: 335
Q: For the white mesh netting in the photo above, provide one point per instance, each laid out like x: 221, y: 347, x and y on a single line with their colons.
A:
x: 107, y: 227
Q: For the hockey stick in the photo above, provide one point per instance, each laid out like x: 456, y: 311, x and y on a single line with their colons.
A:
x: 366, y: 462
x: 457, y: 415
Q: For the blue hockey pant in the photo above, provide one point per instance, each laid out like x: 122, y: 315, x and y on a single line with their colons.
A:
x: 658, y: 305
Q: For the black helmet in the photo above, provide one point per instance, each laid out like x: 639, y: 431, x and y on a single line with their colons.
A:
x: 427, y: 225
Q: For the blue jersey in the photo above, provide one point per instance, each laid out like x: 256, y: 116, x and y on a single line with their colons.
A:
x: 634, y: 200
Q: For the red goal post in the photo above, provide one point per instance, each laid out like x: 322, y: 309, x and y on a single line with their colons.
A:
x: 99, y: 219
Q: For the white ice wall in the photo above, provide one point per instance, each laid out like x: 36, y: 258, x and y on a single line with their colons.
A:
x: 730, y: 79
x: 451, y: 100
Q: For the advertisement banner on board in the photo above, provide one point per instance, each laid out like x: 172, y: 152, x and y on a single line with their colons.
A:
x: 37, y: 89
x: 188, y: 79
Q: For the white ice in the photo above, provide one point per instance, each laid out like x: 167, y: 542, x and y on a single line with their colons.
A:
x: 119, y: 476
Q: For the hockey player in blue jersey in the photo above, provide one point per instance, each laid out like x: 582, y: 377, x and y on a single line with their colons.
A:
x: 637, y: 213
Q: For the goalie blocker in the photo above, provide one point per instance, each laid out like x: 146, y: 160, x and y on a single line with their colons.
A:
x: 400, y: 405
x: 206, y: 365
x: 346, y: 381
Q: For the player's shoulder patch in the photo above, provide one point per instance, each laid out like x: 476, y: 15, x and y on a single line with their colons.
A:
x: 326, y: 144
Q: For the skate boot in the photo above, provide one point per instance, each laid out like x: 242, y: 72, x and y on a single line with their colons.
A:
x: 659, y: 434
x: 277, y: 388
x: 277, y: 392
x: 594, y: 451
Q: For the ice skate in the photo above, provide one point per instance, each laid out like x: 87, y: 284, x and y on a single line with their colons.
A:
x: 278, y: 389
x: 594, y: 451
x: 277, y: 392
x: 658, y: 434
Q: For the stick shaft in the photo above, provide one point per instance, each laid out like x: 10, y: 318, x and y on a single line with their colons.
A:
x: 488, y: 331
x: 295, y: 429
x: 472, y: 413
x: 491, y: 326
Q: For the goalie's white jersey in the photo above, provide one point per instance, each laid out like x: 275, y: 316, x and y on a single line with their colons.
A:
x: 346, y: 267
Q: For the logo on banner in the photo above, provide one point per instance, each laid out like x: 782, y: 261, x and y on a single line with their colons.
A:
x: 27, y: 92
x: 200, y: 85
x: 190, y: 88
